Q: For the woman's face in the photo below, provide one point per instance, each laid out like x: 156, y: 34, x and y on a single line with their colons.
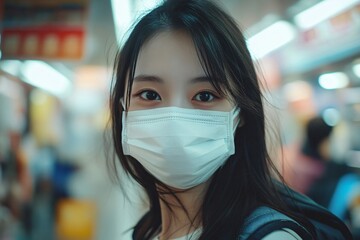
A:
x: 169, y: 73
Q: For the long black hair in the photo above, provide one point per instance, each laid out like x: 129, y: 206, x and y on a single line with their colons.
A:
x: 245, y: 180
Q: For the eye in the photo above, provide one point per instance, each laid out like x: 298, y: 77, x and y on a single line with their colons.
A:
x: 205, y: 96
x: 150, y: 95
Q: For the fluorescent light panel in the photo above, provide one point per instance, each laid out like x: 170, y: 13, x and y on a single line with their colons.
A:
x: 122, y: 15
x: 271, y: 38
x: 144, y: 6
x: 322, y: 11
x: 42, y: 75
x: 126, y: 12
x: 333, y: 80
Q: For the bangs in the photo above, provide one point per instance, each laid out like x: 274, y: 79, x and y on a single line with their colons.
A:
x: 213, y: 64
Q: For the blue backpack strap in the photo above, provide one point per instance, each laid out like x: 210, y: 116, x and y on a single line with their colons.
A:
x: 264, y: 220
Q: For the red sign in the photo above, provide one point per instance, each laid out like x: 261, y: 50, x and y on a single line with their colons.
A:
x: 42, y: 29
x: 43, y: 42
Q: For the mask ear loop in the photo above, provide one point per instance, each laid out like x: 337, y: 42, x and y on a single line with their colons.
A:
x: 235, y: 114
x: 123, y: 103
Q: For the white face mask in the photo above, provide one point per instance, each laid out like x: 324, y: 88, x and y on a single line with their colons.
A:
x: 180, y: 147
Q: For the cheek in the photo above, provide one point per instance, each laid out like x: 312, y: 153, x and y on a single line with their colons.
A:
x: 225, y: 105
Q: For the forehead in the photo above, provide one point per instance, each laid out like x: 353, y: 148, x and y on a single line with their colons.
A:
x: 169, y: 51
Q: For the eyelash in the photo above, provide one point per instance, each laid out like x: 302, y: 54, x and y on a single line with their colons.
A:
x: 140, y: 93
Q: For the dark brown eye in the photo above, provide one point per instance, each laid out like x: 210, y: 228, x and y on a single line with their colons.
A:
x: 204, y: 97
x: 150, y: 95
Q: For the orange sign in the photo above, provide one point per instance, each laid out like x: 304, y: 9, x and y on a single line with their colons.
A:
x: 76, y: 220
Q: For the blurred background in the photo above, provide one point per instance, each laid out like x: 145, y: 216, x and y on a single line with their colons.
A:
x: 55, y: 71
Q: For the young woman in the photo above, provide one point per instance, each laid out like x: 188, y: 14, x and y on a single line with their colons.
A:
x: 188, y: 125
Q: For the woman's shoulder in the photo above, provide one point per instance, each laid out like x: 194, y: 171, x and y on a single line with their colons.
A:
x: 267, y: 223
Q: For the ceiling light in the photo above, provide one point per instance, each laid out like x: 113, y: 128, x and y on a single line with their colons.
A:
x: 333, y: 80
x: 42, y: 75
x: 356, y: 69
x: 331, y: 116
x: 271, y: 38
x: 322, y: 11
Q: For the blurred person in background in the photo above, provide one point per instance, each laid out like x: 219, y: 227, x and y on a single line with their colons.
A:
x: 316, y: 150
x: 315, y: 173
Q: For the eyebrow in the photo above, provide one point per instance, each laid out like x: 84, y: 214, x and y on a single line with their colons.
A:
x: 200, y: 79
x: 148, y: 78
x: 152, y: 78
